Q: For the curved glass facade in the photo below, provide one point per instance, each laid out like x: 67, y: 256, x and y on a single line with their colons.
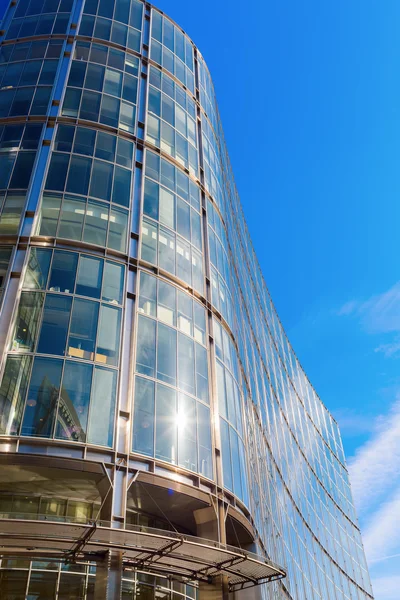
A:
x: 138, y: 340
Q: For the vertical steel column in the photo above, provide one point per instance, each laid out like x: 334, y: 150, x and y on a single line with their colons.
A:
x: 108, y: 584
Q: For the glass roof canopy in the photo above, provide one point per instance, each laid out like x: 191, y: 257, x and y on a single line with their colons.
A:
x: 160, y: 551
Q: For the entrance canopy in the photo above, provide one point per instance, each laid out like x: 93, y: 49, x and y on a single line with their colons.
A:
x: 157, y: 550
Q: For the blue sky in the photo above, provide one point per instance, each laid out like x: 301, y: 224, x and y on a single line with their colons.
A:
x: 309, y: 94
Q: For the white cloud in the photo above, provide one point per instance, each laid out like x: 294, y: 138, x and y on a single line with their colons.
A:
x: 375, y: 468
x: 390, y: 349
x: 382, y: 533
x: 378, y: 314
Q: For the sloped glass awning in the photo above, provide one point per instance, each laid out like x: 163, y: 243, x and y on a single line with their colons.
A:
x: 160, y: 551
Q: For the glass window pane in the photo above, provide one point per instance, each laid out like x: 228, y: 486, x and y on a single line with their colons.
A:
x: 125, y: 153
x: 42, y: 397
x: 96, y: 223
x: 109, y: 111
x: 118, y: 230
x: 146, y: 346
x: 94, y: 77
x: 183, y: 262
x: 113, y: 82
x: 166, y: 250
x: 37, y: 269
x: 129, y: 92
x: 41, y: 100
x: 166, y: 354
x: 150, y: 201
x: 6, y: 165
x: 22, y: 170
x: 167, y: 208
x: 143, y: 421
x: 79, y: 174
x: 64, y: 138
x: 204, y: 436
x: 201, y: 373
x: 82, y: 335
x: 237, y: 481
x: 149, y: 242
x: 105, y: 146
x: 102, y: 411
x: 42, y: 584
x: 185, y: 313
x: 101, y: 181
x: 71, y: 221
x: 13, y: 584
x: 186, y: 363
x: 187, y: 432
x: 148, y: 294
x: 77, y: 74
x: 71, y: 102
x: 27, y: 322
x: 63, y: 272
x: 122, y: 186
x: 107, y: 350
x: 199, y: 323
x: 71, y: 586
x: 5, y: 256
x: 113, y: 283
x: 53, y: 335
x: 74, y: 400
x: 223, y: 410
x: 152, y: 165
x: 57, y: 172
x: 89, y: 276
x: 84, y: 141
x: 90, y: 106
x: 196, y: 230
x: 12, y: 393
x: 226, y: 455
x: 166, y: 308
x: 11, y: 215
x: 166, y: 424
x: 49, y: 214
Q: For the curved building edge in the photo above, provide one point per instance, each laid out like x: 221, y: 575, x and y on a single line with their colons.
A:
x: 149, y: 394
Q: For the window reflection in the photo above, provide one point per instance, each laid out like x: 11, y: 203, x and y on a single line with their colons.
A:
x: 74, y: 402
x: 42, y: 398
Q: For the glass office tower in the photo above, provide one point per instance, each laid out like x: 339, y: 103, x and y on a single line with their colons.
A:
x: 158, y: 436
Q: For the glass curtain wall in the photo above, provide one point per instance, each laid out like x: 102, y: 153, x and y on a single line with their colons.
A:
x: 135, y: 321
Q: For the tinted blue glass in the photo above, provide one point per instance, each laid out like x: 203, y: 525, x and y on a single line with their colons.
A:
x: 89, y: 276
x: 22, y: 170
x: 63, y: 272
x: 122, y: 186
x: 22, y: 102
x: 41, y: 101
x: 71, y: 102
x: 101, y: 182
x: 105, y: 146
x: 74, y: 400
x: 55, y: 321
x: 77, y: 74
x: 65, y: 135
x: 84, y: 141
x: 57, y: 172
x: 90, y: 106
x: 79, y: 174
x: 42, y: 398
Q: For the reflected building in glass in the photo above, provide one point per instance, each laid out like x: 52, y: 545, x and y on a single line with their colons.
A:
x: 158, y: 436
